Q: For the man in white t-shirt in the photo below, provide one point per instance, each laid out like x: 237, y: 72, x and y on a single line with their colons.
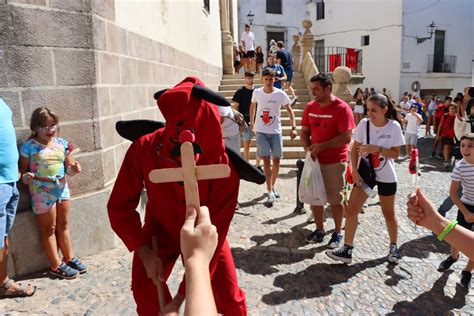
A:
x: 412, y: 121
x: 265, y: 122
x: 247, y: 41
x: 230, y: 128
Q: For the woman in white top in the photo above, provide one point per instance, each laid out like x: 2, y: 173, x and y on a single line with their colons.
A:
x: 385, y: 140
x: 358, y: 98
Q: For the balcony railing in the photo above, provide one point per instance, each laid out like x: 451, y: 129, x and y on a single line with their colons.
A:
x: 327, y: 58
x: 446, y: 63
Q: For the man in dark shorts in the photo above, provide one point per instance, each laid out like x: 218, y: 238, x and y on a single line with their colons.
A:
x: 242, y: 99
x: 285, y: 59
x: 247, y: 41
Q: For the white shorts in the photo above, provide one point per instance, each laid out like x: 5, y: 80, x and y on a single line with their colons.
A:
x: 359, y: 109
x: 411, y: 139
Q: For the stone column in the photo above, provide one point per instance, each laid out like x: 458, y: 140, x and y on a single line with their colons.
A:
x: 308, y: 38
x: 342, y: 76
x: 296, y: 51
x: 227, y: 40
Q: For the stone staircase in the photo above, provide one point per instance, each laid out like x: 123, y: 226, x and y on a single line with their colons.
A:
x: 292, y: 149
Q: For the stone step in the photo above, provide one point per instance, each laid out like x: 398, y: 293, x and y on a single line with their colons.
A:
x: 297, y: 112
x: 223, y: 90
x: 241, y: 81
x: 239, y: 76
x: 234, y: 87
x: 285, y: 120
x: 286, y: 129
x: 302, y: 100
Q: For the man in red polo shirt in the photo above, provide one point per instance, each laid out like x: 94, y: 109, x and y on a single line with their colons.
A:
x: 326, y: 132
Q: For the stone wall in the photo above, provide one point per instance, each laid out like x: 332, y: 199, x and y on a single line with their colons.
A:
x: 71, y: 57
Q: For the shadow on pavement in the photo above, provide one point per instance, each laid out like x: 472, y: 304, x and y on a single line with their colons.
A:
x: 434, y: 301
x: 252, y: 202
x: 290, y: 175
x: 422, y: 247
x: 263, y: 262
x: 315, y: 281
x: 262, y: 259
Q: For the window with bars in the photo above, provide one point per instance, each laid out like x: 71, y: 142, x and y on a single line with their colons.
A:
x: 274, y: 6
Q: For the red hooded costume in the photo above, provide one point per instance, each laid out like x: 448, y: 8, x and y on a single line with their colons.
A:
x: 165, y: 209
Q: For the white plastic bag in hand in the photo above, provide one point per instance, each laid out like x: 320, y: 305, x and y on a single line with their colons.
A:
x: 311, y: 190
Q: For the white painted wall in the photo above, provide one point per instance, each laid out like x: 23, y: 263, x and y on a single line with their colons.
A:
x: 182, y: 24
x: 293, y: 13
x: 346, y: 21
x: 455, y: 18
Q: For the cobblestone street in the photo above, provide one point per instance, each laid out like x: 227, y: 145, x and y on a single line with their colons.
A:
x: 282, y: 275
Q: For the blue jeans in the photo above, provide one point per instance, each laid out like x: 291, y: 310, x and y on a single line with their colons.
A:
x: 9, y: 198
x: 269, y: 145
x: 448, y: 203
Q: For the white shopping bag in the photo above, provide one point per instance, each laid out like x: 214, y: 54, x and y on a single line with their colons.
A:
x: 311, y: 190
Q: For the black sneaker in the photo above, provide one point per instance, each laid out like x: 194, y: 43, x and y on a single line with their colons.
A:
x: 335, y: 240
x: 433, y: 154
x: 466, y: 278
x: 446, y: 263
x: 315, y: 237
x: 393, y: 254
x: 343, y: 254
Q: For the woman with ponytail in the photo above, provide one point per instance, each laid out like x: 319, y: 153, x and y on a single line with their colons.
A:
x: 383, y: 147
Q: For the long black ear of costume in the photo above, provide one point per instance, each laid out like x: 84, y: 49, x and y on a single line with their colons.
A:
x: 209, y: 95
x: 157, y: 94
x: 134, y: 129
x: 245, y: 170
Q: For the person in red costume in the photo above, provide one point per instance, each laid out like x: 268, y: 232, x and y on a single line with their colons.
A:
x: 185, y: 109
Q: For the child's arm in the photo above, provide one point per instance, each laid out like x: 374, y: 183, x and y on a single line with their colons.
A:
x: 419, y: 118
x: 71, y: 164
x: 456, y: 200
x: 24, y: 166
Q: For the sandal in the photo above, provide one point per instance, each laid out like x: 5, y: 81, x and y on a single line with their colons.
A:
x: 15, y: 289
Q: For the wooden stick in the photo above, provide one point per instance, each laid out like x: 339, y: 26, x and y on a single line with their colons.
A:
x: 191, y: 191
x: 161, y: 296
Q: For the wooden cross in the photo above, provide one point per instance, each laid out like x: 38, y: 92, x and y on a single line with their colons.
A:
x: 190, y: 174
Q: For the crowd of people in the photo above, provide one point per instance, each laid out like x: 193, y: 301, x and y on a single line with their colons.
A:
x: 370, y: 131
x: 362, y: 140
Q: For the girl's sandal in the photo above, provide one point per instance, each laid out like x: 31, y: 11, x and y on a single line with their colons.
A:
x: 15, y: 289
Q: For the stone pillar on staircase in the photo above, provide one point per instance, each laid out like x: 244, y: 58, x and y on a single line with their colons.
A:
x: 296, y: 52
x: 342, y: 76
x: 307, y: 42
x: 227, y: 40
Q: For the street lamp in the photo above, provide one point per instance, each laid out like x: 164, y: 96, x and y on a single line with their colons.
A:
x: 250, y: 17
x: 431, y: 29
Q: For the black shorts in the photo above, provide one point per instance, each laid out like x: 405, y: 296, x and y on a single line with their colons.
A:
x: 447, y: 141
x: 385, y: 189
x: 249, y: 54
x: 462, y: 221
